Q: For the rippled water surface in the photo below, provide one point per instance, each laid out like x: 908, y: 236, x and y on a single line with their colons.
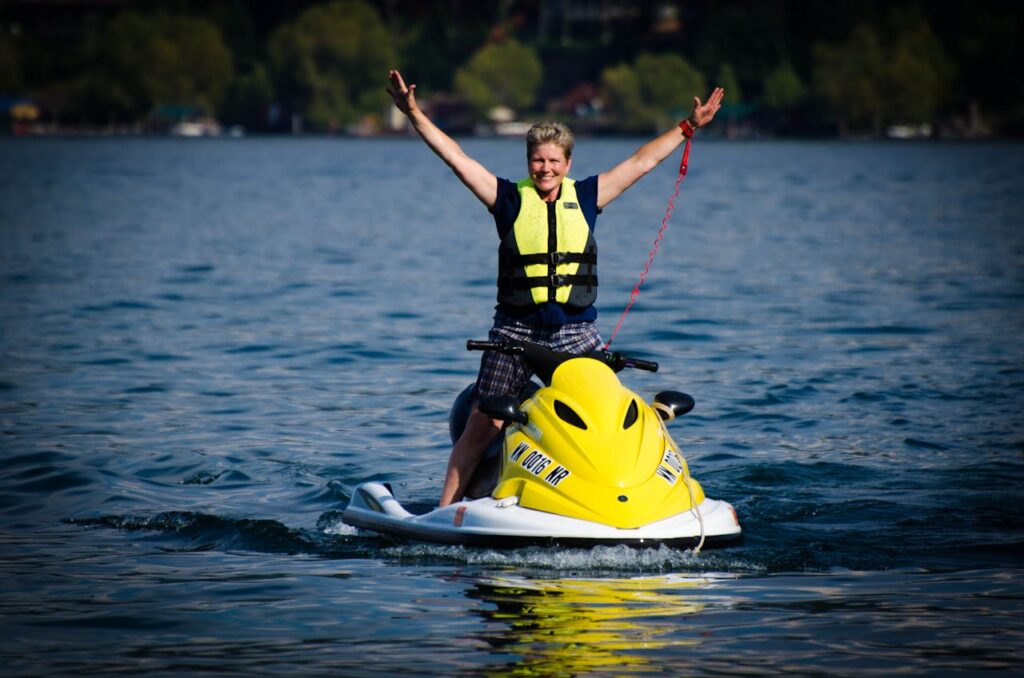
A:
x: 204, y: 346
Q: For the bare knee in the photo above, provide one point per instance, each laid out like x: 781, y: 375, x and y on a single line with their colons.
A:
x: 480, y: 427
x: 479, y: 432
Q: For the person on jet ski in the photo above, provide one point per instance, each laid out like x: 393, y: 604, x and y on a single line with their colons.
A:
x: 546, y: 286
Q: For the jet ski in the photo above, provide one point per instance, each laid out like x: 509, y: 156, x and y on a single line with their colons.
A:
x: 581, y: 461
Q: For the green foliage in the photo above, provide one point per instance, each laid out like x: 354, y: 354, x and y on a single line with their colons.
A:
x: 849, y: 76
x: 171, y: 60
x: 865, y: 65
x: 669, y: 83
x: 652, y: 93
x: 918, y: 76
x: 870, y: 83
x: 501, y: 74
x: 198, y: 62
x: 623, y: 94
x: 748, y: 37
x: 783, y: 87
x: 249, y: 98
x: 329, y: 64
x: 728, y: 81
x: 437, y: 37
x: 140, y: 62
x: 10, y: 66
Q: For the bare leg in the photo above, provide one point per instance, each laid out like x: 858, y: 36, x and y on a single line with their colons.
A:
x: 466, y: 454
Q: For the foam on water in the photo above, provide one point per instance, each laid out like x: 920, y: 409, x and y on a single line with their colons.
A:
x: 597, y: 560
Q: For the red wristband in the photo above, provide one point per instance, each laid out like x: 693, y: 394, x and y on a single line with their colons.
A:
x: 687, y: 128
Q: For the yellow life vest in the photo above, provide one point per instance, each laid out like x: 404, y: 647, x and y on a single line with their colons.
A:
x: 550, y: 254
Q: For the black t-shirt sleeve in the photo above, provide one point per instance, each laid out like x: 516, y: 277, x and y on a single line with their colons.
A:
x: 586, y: 192
x: 506, y: 207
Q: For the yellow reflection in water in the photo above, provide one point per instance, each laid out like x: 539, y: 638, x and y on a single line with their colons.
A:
x: 578, y: 626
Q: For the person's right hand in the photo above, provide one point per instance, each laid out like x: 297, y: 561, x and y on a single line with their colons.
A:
x: 405, y: 97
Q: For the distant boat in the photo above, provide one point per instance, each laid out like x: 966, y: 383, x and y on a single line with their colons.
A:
x: 182, y: 120
x: 512, y: 128
x: 196, y: 128
x: 923, y: 131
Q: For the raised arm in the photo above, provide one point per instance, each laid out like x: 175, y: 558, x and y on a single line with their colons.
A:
x: 475, y: 176
x: 611, y: 184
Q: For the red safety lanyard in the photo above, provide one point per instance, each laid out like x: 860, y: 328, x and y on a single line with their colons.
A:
x: 688, y: 132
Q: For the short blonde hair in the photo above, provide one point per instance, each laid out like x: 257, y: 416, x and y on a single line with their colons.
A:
x: 550, y: 132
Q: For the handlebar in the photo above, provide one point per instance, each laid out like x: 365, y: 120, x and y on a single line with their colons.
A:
x: 614, y: 360
x: 507, y: 348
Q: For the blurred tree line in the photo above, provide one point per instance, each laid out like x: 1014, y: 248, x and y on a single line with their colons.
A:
x: 800, y: 67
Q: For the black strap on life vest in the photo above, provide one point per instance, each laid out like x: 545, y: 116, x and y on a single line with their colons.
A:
x: 550, y: 258
x: 552, y: 282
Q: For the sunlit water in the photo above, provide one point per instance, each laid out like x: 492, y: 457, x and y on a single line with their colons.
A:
x: 204, y: 346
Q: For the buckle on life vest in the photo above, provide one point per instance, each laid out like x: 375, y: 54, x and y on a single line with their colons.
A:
x: 549, y: 258
x: 558, y: 280
x: 549, y: 281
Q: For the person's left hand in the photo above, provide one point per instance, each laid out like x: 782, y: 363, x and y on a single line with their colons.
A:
x: 705, y: 113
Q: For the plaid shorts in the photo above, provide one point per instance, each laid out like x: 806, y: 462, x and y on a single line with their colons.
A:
x: 502, y: 374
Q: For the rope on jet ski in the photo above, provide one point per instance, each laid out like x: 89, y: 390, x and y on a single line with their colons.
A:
x: 700, y: 519
x: 696, y: 510
x: 687, y: 130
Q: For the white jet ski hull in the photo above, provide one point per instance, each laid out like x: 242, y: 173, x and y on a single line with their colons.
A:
x: 502, y: 523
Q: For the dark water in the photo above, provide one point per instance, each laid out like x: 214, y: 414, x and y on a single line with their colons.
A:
x: 204, y: 346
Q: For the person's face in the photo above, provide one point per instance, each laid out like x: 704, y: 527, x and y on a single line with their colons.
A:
x: 548, y: 166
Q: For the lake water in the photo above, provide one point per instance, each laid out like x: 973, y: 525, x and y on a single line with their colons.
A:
x: 206, y: 344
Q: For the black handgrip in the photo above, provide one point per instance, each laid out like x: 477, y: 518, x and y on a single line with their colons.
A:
x: 506, y: 347
x: 638, y: 364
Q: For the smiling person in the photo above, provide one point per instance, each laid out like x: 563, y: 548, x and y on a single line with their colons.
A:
x: 547, y: 257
